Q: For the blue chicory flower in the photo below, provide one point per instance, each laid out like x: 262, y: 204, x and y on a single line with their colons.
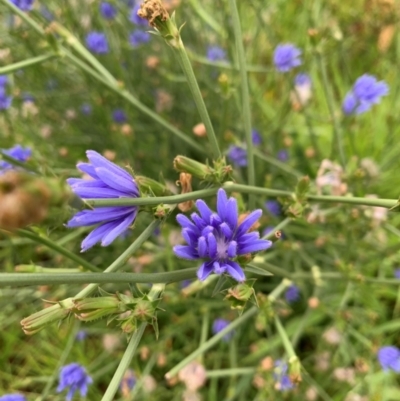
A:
x: 109, y: 181
x: 81, y: 335
x: 135, y: 18
x: 389, y: 358
x: 256, y: 137
x: 273, y: 207
x: 3, y: 80
x: 138, y: 37
x: 5, y: 101
x: 128, y: 382
x: 219, y: 325
x: 292, y: 294
x: 17, y: 153
x: 119, y: 116
x: 218, y: 239
x: 216, y: 53
x: 366, y: 92
x: 12, y: 397
x: 283, y: 155
x: 97, y: 42
x: 237, y: 155
x: 397, y: 273
x: 74, y: 378
x: 24, y: 5
x: 281, y: 377
x: 107, y: 10
x: 86, y: 109
x: 286, y: 57
x: 302, y: 79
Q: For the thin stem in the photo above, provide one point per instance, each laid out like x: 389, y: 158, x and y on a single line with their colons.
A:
x: 231, y: 187
x: 230, y: 372
x: 27, y: 63
x: 285, y: 339
x: 277, y: 163
x: 237, y: 29
x: 124, y: 364
x: 59, y: 249
x: 331, y: 107
x: 130, y: 350
x: 198, y: 98
x: 212, y: 341
x: 18, y: 279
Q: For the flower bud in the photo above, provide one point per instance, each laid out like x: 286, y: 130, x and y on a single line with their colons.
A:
x: 37, y: 321
x: 185, y: 165
x: 148, y: 185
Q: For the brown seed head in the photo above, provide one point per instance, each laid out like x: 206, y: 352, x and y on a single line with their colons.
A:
x: 153, y: 10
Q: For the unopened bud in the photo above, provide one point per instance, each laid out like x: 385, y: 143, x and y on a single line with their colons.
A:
x: 148, y: 185
x: 185, y: 165
x: 37, y: 321
x: 144, y: 310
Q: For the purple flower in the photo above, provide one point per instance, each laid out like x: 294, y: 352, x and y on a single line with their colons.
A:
x: 135, y: 18
x: 237, y: 155
x: 5, y: 101
x: 3, y: 80
x: 108, y: 182
x: 216, y: 53
x: 24, y: 5
x: 366, y: 92
x: 302, y: 79
x: 281, y: 376
x: 292, y: 294
x: 107, y: 10
x: 286, y: 57
x: 273, y: 207
x: 97, y: 43
x: 397, y: 273
x: 119, y: 116
x: 128, y: 382
x: 12, y: 397
x: 389, y: 358
x: 218, y: 239
x: 80, y: 335
x: 138, y: 37
x: 219, y: 325
x: 283, y: 155
x: 256, y: 137
x: 86, y: 109
x: 17, y: 153
x: 74, y: 377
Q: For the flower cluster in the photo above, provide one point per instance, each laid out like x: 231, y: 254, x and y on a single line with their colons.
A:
x: 5, y: 101
x: 109, y: 181
x: 218, y: 238
x: 389, y: 358
x: 366, y: 92
x: 17, y: 153
x: 24, y: 5
x: 286, y: 57
x: 74, y: 378
x: 97, y: 42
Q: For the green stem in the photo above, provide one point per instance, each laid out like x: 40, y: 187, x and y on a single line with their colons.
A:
x: 130, y: 350
x: 14, y: 162
x: 124, y: 364
x: 285, y: 339
x: 26, y: 63
x: 230, y: 372
x: 22, y: 279
x: 237, y: 29
x: 24, y: 16
x: 212, y: 341
x: 198, y: 98
x: 231, y: 187
x: 59, y: 249
x: 331, y: 107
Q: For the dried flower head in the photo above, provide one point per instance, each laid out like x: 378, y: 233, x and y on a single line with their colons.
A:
x: 153, y: 11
